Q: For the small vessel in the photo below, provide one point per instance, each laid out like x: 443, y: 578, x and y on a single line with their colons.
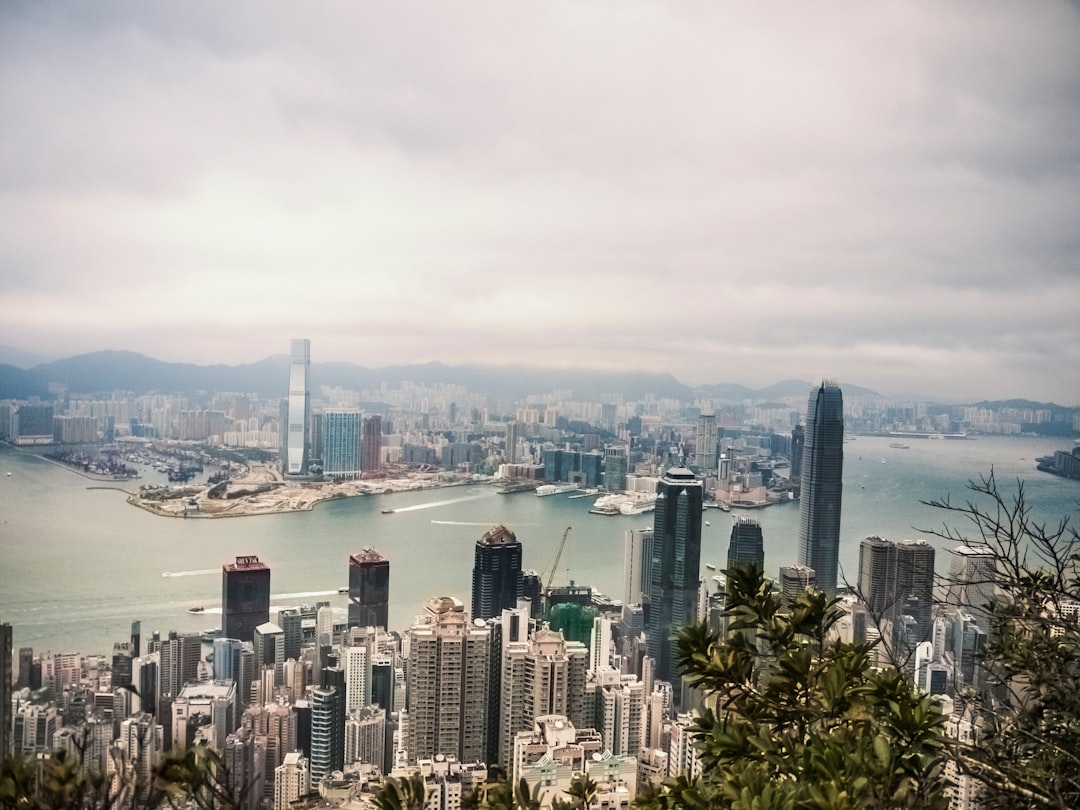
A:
x: 710, y: 566
x: 899, y: 446
x: 724, y: 507
x: 707, y: 523
x: 343, y: 590
x: 388, y: 511
x: 9, y: 472
x: 210, y: 633
x: 196, y: 609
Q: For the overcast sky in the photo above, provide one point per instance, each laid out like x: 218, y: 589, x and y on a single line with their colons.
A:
x: 884, y: 194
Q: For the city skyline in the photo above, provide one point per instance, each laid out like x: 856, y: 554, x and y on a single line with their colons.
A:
x: 892, y: 201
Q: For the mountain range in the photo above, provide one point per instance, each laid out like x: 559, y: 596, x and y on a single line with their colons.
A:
x: 104, y: 372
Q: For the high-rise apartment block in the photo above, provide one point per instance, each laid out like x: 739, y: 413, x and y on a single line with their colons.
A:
x: 369, y: 589
x: 371, y: 444
x: 822, y: 485
x: 296, y: 439
x: 674, y: 570
x: 497, y: 581
x: 540, y: 676
x: 245, y: 597
x: 328, y: 724
x: 705, y: 445
x: 448, y: 684
x: 291, y: 780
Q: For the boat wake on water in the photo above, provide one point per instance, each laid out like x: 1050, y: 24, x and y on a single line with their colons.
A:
x: 300, y: 595
x: 199, y: 573
x: 433, y: 504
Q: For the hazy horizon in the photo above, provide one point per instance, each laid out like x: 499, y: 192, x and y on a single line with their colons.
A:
x: 885, y: 194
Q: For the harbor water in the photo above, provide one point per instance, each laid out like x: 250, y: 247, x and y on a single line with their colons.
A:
x: 78, y: 564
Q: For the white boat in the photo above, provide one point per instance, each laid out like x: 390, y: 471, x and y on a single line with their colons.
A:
x: 553, y: 489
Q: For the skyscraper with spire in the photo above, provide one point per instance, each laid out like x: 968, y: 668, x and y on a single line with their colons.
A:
x: 822, y: 485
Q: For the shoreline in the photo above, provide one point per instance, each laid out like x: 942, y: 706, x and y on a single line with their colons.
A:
x: 282, y: 500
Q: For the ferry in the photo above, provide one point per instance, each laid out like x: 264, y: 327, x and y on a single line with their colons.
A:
x: 551, y: 489
x: 637, y: 507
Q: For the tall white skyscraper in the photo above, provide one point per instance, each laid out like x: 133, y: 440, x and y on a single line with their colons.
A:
x: 297, y: 443
x: 356, y: 678
x: 600, y: 652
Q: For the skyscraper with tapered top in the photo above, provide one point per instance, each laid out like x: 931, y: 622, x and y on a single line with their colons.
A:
x: 675, y: 566
x: 822, y: 485
x: 746, y: 547
x: 296, y: 430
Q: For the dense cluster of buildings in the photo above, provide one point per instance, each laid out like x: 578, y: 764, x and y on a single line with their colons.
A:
x: 546, y: 683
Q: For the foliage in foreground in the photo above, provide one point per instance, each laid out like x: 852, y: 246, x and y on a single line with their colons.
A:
x: 1026, y: 748
x: 796, y: 718
x: 195, y: 778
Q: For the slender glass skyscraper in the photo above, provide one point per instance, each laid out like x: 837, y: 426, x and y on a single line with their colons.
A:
x: 299, y: 410
x: 675, y: 567
x: 822, y: 485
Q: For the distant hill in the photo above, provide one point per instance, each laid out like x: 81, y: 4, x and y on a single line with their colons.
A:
x: 1019, y: 403
x: 18, y: 383
x: 103, y: 372
x: 107, y: 371
x: 14, y: 356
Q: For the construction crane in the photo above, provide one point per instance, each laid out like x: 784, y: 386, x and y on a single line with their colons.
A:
x: 558, y: 556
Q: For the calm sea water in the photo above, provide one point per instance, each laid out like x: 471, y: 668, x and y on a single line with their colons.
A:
x: 77, y: 565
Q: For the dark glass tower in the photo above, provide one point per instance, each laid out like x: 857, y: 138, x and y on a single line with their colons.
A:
x: 822, y: 485
x: 245, y: 598
x: 369, y: 589
x: 497, y: 581
x: 746, y: 546
x: 676, y: 562
x: 798, y: 439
